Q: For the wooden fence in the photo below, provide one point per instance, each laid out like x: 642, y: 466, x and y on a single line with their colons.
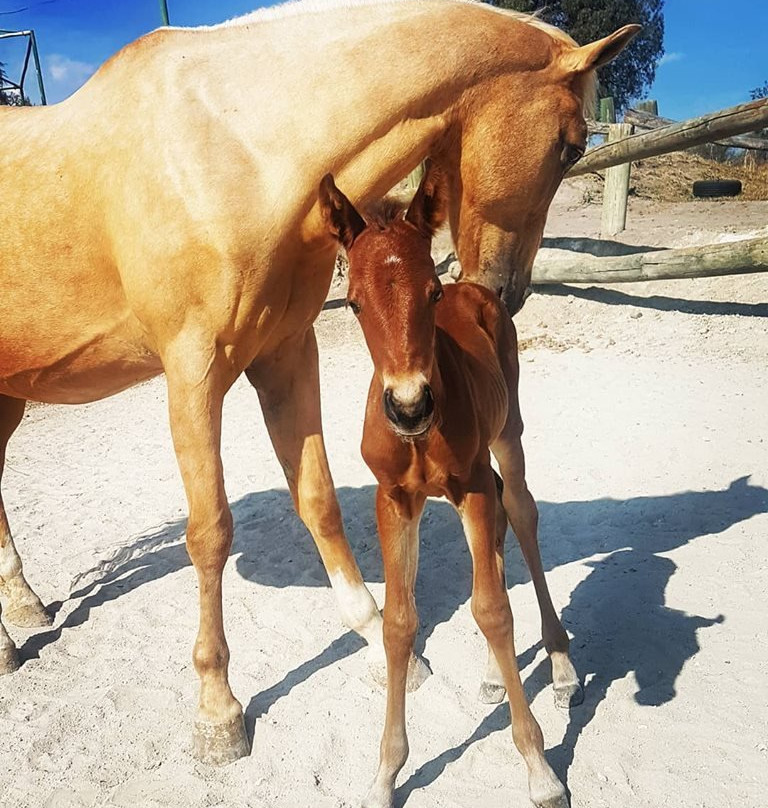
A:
x: 622, y: 147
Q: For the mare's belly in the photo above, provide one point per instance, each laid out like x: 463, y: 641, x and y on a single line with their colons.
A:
x: 75, y: 369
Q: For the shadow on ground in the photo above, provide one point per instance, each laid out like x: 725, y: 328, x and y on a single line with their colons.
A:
x: 617, y: 614
x: 612, y: 297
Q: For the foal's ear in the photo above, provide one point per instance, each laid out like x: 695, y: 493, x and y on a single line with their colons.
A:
x: 429, y: 207
x: 599, y: 53
x: 339, y: 214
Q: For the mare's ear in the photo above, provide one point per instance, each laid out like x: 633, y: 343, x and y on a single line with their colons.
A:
x: 429, y: 207
x: 339, y: 214
x: 599, y: 53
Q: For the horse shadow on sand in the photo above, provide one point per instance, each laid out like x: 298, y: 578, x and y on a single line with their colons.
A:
x: 616, y: 614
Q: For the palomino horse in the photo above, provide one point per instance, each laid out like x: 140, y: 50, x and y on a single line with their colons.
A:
x: 178, y: 231
x: 444, y: 390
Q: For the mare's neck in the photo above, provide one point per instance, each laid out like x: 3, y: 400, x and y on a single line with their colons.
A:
x: 347, y: 91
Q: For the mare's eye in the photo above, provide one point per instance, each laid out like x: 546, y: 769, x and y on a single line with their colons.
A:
x: 355, y: 306
x: 571, y: 155
x: 436, y: 295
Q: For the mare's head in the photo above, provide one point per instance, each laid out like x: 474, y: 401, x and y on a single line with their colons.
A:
x: 393, y: 291
x: 516, y: 135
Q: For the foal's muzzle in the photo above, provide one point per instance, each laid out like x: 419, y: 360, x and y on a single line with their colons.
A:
x: 411, y: 418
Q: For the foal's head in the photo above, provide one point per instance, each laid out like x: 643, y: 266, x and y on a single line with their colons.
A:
x: 393, y: 291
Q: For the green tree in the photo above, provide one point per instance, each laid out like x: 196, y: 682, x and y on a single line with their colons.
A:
x: 10, y: 97
x: 633, y: 71
x: 759, y: 92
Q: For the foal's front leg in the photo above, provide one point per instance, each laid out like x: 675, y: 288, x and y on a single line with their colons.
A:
x: 288, y: 384
x: 398, y: 516
x: 198, y: 377
x: 491, y: 610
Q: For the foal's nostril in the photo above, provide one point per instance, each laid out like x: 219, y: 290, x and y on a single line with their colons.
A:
x: 428, y: 401
x: 389, y: 406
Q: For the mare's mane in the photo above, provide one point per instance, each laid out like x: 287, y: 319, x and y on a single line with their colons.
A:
x: 293, y: 8
x: 299, y: 8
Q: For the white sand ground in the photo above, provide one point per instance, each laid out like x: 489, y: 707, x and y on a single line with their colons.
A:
x: 646, y: 412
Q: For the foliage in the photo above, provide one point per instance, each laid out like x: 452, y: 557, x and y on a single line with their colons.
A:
x: 10, y: 97
x: 759, y: 92
x: 633, y: 71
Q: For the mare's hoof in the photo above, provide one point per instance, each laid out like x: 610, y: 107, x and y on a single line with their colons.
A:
x: 550, y: 793
x: 418, y: 673
x: 379, y: 798
x: 220, y: 743
x: 555, y: 801
x: 9, y: 659
x: 568, y: 696
x: 491, y: 693
x: 28, y: 615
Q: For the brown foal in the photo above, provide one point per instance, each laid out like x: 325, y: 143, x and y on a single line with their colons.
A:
x: 444, y: 393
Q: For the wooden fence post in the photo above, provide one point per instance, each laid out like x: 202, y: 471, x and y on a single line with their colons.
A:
x: 616, y: 191
x: 415, y: 177
x: 607, y: 110
x: 650, y: 106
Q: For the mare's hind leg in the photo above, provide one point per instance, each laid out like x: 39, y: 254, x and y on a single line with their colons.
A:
x: 524, y: 518
x: 288, y: 384
x: 21, y: 606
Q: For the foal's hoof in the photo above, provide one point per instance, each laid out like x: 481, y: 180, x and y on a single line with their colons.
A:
x: 9, y: 659
x: 28, y: 615
x: 491, y: 693
x: 220, y: 743
x: 568, y: 696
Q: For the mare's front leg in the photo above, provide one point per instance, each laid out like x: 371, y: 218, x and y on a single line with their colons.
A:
x: 20, y: 605
x: 491, y: 610
x: 198, y: 377
x: 288, y: 384
x: 398, y: 516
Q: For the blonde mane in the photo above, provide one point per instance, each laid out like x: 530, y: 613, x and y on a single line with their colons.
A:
x: 299, y: 8
x: 293, y: 8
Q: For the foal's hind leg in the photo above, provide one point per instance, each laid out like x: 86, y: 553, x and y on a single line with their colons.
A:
x: 21, y: 606
x: 491, y: 610
x: 524, y: 517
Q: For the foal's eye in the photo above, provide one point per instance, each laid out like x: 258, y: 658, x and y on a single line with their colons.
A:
x: 355, y: 306
x: 436, y: 295
x: 571, y: 155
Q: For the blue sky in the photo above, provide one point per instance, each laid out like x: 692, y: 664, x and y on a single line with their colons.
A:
x: 714, y: 56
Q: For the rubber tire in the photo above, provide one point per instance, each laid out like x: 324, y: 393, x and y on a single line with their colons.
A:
x: 713, y: 188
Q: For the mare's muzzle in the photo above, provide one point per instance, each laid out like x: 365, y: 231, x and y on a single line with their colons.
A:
x: 514, y: 294
x: 413, y: 417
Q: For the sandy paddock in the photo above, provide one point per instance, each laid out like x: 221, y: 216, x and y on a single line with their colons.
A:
x: 646, y: 411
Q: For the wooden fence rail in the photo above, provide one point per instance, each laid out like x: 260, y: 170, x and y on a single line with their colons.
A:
x: 694, y: 132
x: 644, y: 120
x: 731, y: 258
